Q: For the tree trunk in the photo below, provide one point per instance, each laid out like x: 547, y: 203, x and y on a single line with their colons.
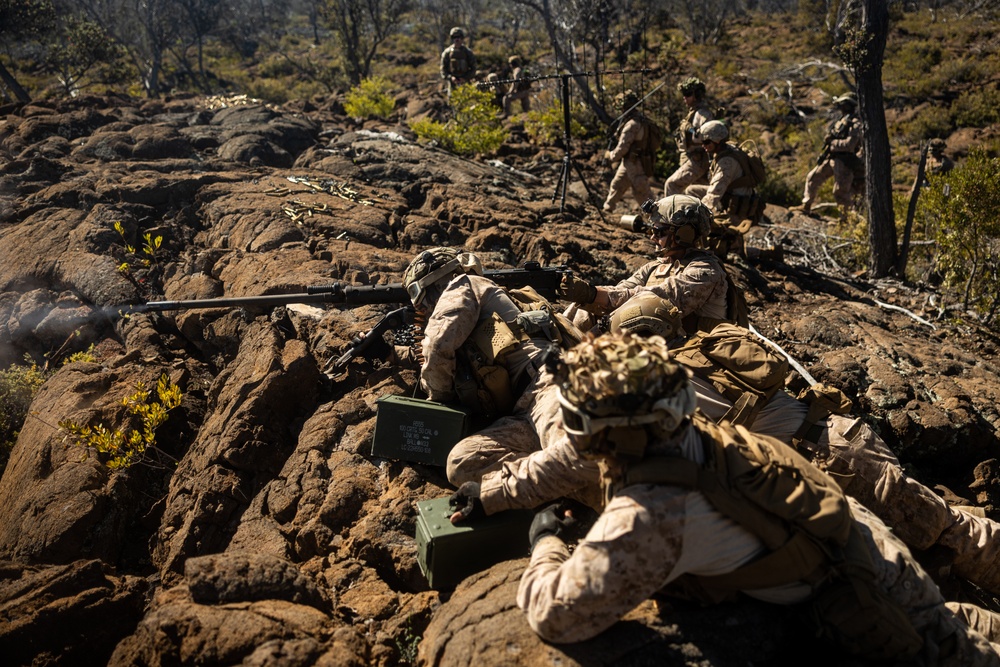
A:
x: 911, y: 211
x: 878, y: 159
x: 8, y: 80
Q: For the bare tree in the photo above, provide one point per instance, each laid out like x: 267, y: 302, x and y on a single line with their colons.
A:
x: 201, y: 19
x: 22, y: 20
x: 706, y: 20
x: 861, y: 44
x: 361, y: 26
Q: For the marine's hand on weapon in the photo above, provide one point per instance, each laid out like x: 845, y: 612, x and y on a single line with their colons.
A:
x: 466, y: 503
x: 576, y: 290
x: 375, y: 337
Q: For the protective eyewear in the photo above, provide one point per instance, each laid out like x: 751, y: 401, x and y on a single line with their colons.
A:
x: 579, y: 423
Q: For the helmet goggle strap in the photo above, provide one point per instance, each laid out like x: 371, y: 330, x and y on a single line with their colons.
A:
x: 579, y: 423
x: 418, y: 288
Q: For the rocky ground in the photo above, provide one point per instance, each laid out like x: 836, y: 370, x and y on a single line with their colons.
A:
x: 265, y: 533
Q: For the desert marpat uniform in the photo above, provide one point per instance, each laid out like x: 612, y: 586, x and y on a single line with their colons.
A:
x: 649, y: 535
x: 518, y: 91
x: 458, y: 65
x: 694, y: 159
x: 868, y: 471
x: 630, y: 173
x: 844, y: 141
x: 724, y: 172
x: 696, y: 284
x: 938, y: 164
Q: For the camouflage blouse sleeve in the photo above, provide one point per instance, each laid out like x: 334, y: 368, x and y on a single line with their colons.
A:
x: 625, y: 289
x: 445, y: 63
x: 724, y: 172
x: 630, y: 133
x: 451, y: 323
x: 851, y: 139
x: 699, y: 288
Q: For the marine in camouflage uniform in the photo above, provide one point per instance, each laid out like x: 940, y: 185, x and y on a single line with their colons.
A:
x: 628, y: 153
x: 937, y: 161
x: 690, y: 277
x: 651, y: 534
x: 842, y: 163
x: 694, y: 160
x: 458, y: 64
x: 519, y: 90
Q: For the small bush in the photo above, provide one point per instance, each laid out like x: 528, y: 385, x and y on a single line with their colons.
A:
x: 929, y: 122
x: 546, y: 126
x: 18, y: 386
x: 777, y: 190
x: 121, y: 448
x: 474, y: 128
x: 370, y: 99
x: 977, y: 108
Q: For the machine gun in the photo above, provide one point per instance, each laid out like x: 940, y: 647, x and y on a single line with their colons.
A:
x: 545, y: 280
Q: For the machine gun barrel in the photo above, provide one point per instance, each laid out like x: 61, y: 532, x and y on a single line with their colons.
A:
x: 544, y: 279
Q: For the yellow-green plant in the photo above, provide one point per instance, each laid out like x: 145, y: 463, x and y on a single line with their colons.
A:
x: 122, y: 447
x: 150, y: 246
x: 18, y: 386
x: 82, y: 355
x: 547, y: 125
x: 370, y: 99
x: 474, y: 128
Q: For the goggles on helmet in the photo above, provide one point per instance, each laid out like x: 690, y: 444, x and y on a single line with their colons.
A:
x: 417, y: 289
x: 579, y: 423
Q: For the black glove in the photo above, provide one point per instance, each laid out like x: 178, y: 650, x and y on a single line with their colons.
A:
x: 574, y: 289
x: 553, y: 520
x: 466, y: 504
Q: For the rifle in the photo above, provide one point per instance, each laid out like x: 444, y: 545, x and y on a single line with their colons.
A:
x: 545, y: 279
x: 824, y: 155
x: 360, y: 343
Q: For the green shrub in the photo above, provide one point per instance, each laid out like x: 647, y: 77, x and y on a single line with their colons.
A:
x: 777, y: 190
x: 928, y: 122
x: 979, y: 107
x: 370, y: 99
x: 474, y: 128
x: 18, y: 386
x: 546, y: 126
x: 964, y: 211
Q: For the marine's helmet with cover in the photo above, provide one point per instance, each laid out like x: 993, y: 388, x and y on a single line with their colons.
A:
x: 619, y: 391
x: 626, y: 100
x: 692, y: 86
x: 456, y: 33
x: 647, y: 314
x: 937, y: 146
x: 846, y: 101
x: 435, y: 265
x: 714, y: 131
x: 690, y: 220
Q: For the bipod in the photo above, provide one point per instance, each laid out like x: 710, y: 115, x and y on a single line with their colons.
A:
x: 567, y: 162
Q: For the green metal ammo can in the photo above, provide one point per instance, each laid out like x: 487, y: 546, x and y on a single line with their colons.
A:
x: 449, y: 553
x: 418, y: 430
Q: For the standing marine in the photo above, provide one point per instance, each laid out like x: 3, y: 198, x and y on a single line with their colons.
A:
x: 458, y: 64
x: 520, y: 87
x: 840, y: 159
x: 632, y: 153
x: 693, y: 168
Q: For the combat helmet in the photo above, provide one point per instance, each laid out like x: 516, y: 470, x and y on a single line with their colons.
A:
x: 456, y: 32
x: 626, y: 99
x: 514, y: 61
x: 434, y: 265
x: 619, y: 390
x: 692, y: 86
x: 691, y: 220
x: 937, y: 145
x: 647, y: 314
x: 848, y: 100
x: 714, y: 131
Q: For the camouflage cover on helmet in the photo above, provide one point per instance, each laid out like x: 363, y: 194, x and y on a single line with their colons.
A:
x: 647, y: 314
x: 434, y: 265
x: 714, y: 131
x: 456, y: 32
x: 678, y: 211
x: 622, y: 375
x: 692, y: 86
x: 625, y: 100
x: 848, y: 100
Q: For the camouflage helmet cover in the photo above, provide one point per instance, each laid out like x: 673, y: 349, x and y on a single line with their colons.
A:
x: 714, y: 131
x: 514, y: 61
x: 622, y: 381
x: 434, y: 265
x: 679, y: 211
x: 692, y: 86
x: 846, y: 100
x: 626, y: 99
x: 456, y: 32
x: 647, y: 314
x: 937, y: 145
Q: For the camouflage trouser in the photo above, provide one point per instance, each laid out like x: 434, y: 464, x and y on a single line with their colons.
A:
x: 693, y: 170
x: 867, y: 470
x: 630, y: 175
x: 510, y: 437
x: 524, y: 96
x: 843, y: 178
x: 949, y: 638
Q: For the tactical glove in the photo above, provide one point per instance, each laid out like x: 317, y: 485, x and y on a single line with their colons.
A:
x: 574, y: 289
x: 466, y: 503
x: 553, y: 520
